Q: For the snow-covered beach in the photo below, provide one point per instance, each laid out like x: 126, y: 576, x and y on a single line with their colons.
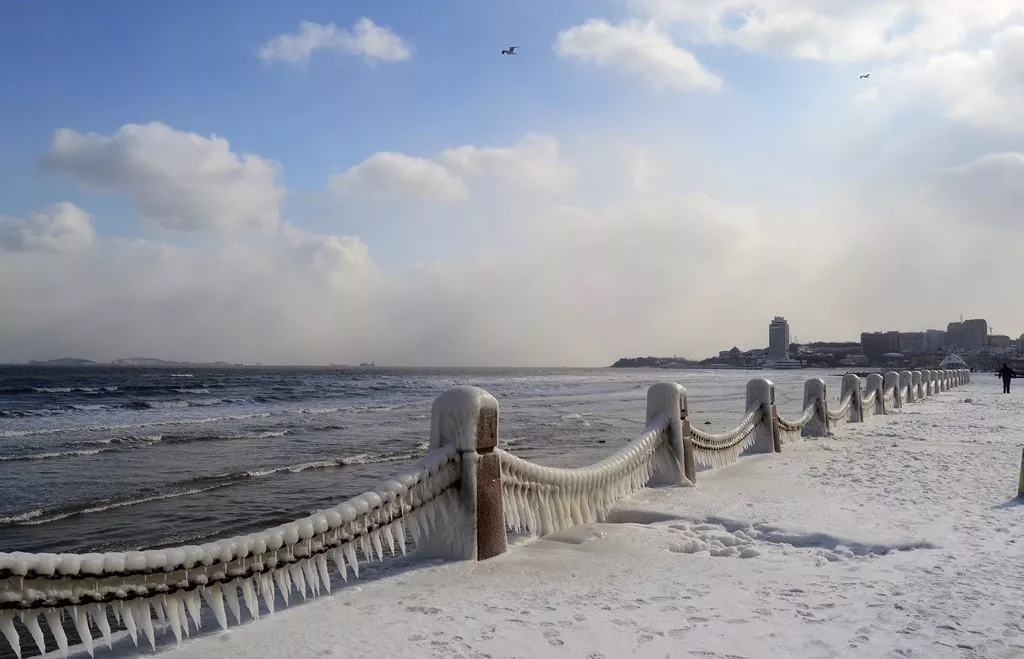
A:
x: 899, y: 537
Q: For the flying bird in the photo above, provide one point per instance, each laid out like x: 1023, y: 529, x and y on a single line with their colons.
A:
x: 866, y: 75
x: 510, y: 51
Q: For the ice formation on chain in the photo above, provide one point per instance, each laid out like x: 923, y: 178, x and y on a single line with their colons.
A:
x: 719, y: 450
x: 543, y: 500
x: 791, y: 430
x: 87, y: 590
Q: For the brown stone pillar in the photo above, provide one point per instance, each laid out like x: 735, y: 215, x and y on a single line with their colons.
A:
x: 491, y: 539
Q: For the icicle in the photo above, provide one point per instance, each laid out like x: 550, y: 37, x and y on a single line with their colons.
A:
x: 124, y: 609
x: 281, y: 578
x: 53, y: 620
x: 364, y: 546
x: 172, y: 616
x: 350, y: 554
x: 295, y: 572
x: 249, y: 595
x: 9, y: 632
x: 414, y: 527
x: 73, y: 613
x: 179, y: 602
x: 158, y: 609
x: 99, y: 617
x: 117, y: 613
x: 267, y: 591
x: 389, y: 536
x: 325, y: 573
x: 339, y: 560
x: 231, y: 595
x: 375, y: 540
x: 214, y: 598
x: 32, y: 624
x: 194, y: 607
x: 307, y: 571
x: 400, y: 535
x: 147, y: 621
x: 82, y: 627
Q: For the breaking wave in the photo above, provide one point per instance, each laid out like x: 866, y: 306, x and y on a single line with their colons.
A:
x: 193, y: 486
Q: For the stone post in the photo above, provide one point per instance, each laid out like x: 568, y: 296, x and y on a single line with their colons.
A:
x: 761, y: 393
x: 467, y: 418
x: 669, y: 398
x: 875, y: 383
x: 915, y: 385
x: 815, y: 394
x: 906, y: 378
x: 851, y: 386
x: 892, y: 381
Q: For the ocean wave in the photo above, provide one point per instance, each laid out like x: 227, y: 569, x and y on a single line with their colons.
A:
x: 131, y: 426
x: 52, y: 454
x: 192, y: 486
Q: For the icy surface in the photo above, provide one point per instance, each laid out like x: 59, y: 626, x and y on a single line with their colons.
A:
x: 899, y: 537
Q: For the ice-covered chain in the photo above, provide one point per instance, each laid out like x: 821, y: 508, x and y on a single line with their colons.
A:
x: 799, y: 423
x: 723, y: 441
x: 544, y: 500
x: 843, y: 411
x: 362, y: 522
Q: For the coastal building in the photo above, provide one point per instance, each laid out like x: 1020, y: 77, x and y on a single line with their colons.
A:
x: 913, y: 343
x: 976, y: 333
x: 1000, y: 341
x: 934, y: 340
x: 876, y: 344
x: 778, y: 338
x: 955, y: 335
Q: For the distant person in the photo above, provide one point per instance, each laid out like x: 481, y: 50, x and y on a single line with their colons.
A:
x: 1006, y: 373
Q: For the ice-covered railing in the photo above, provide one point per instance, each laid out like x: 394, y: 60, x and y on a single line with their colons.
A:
x: 455, y: 503
x: 130, y: 589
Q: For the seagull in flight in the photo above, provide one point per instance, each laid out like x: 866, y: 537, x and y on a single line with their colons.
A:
x: 866, y: 75
x: 511, y: 50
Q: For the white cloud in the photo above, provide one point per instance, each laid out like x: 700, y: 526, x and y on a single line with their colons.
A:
x: 534, y: 164
x: 629, y: 263
x: 986, y: 192
x: 181, y: 181
x: 831, y: 30
x: 60, y: 227
x: 395, y: 175
x: 638, y: 48
x: 373, y: 42
x: 984, y: 89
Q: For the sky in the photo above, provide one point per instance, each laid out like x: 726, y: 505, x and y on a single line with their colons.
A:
x: 322, y: 182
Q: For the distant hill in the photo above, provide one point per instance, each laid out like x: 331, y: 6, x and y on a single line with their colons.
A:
x: 152, y: 361
x: 64, y: 361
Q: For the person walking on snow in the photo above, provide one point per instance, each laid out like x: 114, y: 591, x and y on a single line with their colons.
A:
x: 1006, y: 373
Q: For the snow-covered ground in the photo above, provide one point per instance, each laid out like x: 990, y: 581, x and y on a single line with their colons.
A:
x: 900, y: 537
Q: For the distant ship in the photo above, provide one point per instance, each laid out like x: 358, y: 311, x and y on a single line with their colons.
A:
x: 367, y: 365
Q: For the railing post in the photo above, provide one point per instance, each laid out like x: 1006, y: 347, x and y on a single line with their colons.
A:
x: 915, y: 385
x: 851, y: 385
x: 815, y: 393
x: 905, y: 381
x: 669, y: 398
x: 875, y: 383
x: 892, y: 380
x: 761, y: 393
x: 467, y: 418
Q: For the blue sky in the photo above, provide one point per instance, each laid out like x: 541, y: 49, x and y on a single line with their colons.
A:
x: 724, y: 125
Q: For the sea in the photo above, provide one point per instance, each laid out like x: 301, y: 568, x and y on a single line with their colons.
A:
x: 99, y: 458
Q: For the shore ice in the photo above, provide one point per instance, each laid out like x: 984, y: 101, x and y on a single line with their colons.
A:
x: 900, y: 537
